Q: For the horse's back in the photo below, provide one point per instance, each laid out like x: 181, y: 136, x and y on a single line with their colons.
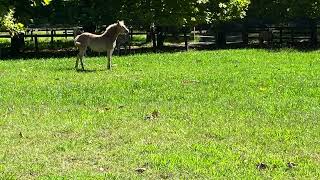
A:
x: 94, y: 42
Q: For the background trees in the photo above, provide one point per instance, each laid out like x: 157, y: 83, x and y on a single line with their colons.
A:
x: 160, y: 12
x: 285, y: 10
x: 140, y: 12
x: 182, y: 12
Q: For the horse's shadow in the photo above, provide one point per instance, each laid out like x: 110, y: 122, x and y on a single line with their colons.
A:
x: 88, y: 70
x: 81, y: 70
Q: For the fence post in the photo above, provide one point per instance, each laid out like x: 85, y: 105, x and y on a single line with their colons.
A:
x: 314, y: 35
x: 280, y: 36
x: 66, y: 33
x: 36, y: 44
x: 186, y: 45
x: 31, y: 33
x: 131, y: 37
x: 51, y: 42
x: 292, y: 36
x: 154, y: 38
x: 245, y: 38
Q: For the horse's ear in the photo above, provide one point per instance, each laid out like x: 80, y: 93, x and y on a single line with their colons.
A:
x: 121, y: 23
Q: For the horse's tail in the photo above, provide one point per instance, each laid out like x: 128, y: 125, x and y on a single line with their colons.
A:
x: 76, y: 42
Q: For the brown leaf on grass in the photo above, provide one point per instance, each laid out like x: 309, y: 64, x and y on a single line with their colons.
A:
x: 148, y: 117
x: 141, y: 170
x: 103, y: 109
x: 154, y: 115
x: 291, y: 165
x: 261, y: 166
x: 166, y: 176
x: 33, y: 174
x: 101, y: 169
x: 190, y: 81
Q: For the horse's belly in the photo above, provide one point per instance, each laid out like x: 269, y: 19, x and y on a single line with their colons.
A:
x: 98, y: 47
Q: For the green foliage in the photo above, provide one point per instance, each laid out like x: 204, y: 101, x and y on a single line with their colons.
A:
x: 10, y: 24
x: 221, y: 10
x: 140, y: 12
x: 279, y: 11
x: 13, y: 14
x: 160, y: 12
x: 168, y: 12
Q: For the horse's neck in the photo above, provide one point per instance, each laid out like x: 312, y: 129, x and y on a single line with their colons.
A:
x: 111, y: 33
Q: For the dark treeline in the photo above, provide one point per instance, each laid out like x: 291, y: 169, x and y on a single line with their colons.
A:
x: 161, y: 12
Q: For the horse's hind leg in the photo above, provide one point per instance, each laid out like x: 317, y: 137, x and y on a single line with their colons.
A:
x: 81, y: 61
x: 77, y: 61
x: 81, y: 54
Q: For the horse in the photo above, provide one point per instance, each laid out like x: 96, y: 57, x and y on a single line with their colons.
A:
x: 99, y: 43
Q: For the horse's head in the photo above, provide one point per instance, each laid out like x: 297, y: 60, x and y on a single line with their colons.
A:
x: 122, y: 27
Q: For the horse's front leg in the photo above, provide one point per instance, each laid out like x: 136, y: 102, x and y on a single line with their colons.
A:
x: 118, y: 49
x: 81, y: 61
x: 109, y: 63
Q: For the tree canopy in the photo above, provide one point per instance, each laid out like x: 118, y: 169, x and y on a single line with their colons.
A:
x: 182, y: 12
x: 280, y: 11
x: 160, y: 12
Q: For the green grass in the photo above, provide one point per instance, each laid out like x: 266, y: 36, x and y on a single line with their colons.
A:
x: 4, y: 42
x: 221, y: 113
x: 139, y: 38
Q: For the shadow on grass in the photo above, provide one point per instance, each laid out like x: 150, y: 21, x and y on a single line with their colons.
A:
x: 79, y: 70
x: 89, y: 70
x: 69, y: 53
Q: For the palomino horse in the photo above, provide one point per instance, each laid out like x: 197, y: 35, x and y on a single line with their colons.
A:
x: 99, y: 43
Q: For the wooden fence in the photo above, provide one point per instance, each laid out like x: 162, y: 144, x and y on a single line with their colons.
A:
x: 271, y: 36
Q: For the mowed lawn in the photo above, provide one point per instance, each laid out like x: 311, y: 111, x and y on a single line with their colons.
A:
x: 193, y: 115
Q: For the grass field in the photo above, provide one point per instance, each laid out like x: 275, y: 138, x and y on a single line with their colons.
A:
x: 212, y: 114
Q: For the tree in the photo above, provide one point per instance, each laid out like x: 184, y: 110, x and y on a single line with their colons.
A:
x: 277, y: 11
x: 11, y: 14
x: 22, y: 9
x: 182, y: 12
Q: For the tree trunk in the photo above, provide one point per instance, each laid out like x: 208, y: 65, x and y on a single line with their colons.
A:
x: 17, y: 43
x: 160, y: 37
x: 221, y: 39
